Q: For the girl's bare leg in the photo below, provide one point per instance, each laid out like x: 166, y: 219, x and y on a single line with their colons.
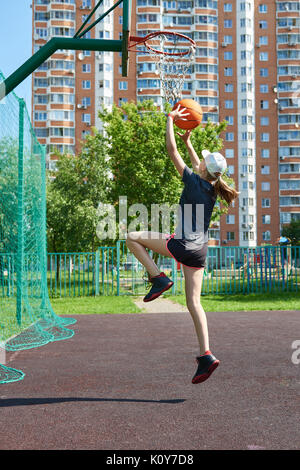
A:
x: 193, y: 285
x: 137, y: 243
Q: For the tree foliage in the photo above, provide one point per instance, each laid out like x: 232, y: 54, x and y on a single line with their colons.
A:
x: 73, y: 197
x: 292, y: 231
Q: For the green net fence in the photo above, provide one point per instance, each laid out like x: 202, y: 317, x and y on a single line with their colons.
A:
x: 27, y: 319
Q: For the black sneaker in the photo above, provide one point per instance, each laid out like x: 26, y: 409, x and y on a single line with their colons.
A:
x: 206, y: 365
x: 161, y: 283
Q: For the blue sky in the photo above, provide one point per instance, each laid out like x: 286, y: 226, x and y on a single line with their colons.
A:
x: 15, y: 40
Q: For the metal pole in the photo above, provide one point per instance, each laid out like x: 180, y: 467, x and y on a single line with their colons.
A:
x: 125, y: 34
x: 20, y: 214
x: 44, y: 235
x: 97, y: 262
x: 98, y: 20
x: 88, y: 18
x: 48, y: 49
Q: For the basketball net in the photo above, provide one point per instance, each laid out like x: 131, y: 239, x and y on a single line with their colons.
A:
x: 173, y: 54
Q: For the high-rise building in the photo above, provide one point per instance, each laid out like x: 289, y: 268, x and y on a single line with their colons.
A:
x: 246, y: 71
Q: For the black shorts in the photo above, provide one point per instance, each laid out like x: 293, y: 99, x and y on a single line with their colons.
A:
x: 186, y: 252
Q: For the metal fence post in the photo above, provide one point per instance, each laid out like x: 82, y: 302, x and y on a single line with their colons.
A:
x: 97, y: 263
x: 118, y: 267
x: 20, y: 218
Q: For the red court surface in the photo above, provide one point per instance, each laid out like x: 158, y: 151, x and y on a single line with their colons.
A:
x: 124, y: 382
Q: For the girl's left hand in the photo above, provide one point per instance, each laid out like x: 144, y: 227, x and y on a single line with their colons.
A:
x: 179, y: 113
x: 186, y: 136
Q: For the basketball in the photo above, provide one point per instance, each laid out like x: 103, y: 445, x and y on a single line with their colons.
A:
x: 195, y: 114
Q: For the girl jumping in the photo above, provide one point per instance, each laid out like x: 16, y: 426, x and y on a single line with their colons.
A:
x: 188, y: 244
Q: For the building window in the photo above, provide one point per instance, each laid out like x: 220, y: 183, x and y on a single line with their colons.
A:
x: 264, y: 88
x: 230, y: 236
x: 266, y: 235
x: 229, y: 136
x: 86, y: 101
x: 264, y: 121
x: 245, y: 55
x: 248, y: 201
x: 228, y: 72
x: 122, y: 100
x: 245, y: 6
x: 230, y: 120
x: 263, y: 40
x: 246, y: 103
x: 264, y: 104
x: 227, y: 6
x: 228, y: 55
x: 86, y: 68
x: 263, y: 56
x: 247, y: 119
x: 229, y: 153
x: 263, y: 24
x: 228, y: 39
x: 265, y: 153
x: 263, y: 8
x: 247, y: 136
x: 40, y: 116
x: 228, y: 87
x: 248, y: 236
x: 265, y: 202
x: 227, y: 23
x: 229, y: 104
x: 230, y: 219
x: 247, y: 152
x: 264, y: 72
x: 265, y: 169
x: 246, y: 38
x: 86, y: 117
x: 264, y: 137
x: 265, y: 186
x: 85, y: 133
x: 213, y: 234
x: 123, y: 85
x: 246, y: 87
x: 266, y: 219
x: 86, y: 84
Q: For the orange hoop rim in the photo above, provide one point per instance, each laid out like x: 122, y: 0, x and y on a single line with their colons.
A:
x: 140, y: 40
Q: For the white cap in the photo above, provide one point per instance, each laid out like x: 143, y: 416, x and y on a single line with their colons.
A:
x: 215, y: 162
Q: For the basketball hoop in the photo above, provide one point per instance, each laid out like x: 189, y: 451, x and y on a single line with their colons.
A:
x: 173, y: 54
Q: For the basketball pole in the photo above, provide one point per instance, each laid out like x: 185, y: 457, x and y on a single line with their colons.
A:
x: 76, y: 43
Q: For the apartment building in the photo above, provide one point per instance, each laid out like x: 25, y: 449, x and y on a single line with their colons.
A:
x: 246, y: 71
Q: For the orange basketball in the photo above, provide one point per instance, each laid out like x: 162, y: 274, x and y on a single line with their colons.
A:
x: 195, y: 114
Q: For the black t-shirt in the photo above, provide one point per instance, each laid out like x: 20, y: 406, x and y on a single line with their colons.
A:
x: 196, y: 205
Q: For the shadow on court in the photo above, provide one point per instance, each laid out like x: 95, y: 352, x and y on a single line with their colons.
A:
x: 124, y: 382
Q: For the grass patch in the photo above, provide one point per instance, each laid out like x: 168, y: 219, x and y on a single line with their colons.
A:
x: 245, y: 302
x: 211, y: 303
x: 94, y: 305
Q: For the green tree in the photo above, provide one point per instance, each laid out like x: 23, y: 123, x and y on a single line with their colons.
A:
x: 73, y: 196
x: 292, y: 231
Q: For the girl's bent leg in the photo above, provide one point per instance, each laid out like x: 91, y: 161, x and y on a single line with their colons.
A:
x: 193, y: 285
x: 137, y: 243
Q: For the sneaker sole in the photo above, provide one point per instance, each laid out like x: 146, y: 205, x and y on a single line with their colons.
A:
x: 201, y: 378
x: 154, y: 296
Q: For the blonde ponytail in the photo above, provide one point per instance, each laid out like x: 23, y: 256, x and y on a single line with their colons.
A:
x: 225, y: 191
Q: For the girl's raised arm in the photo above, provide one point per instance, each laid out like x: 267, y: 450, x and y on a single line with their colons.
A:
x: 193, y: 155
x: 170, y: 139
